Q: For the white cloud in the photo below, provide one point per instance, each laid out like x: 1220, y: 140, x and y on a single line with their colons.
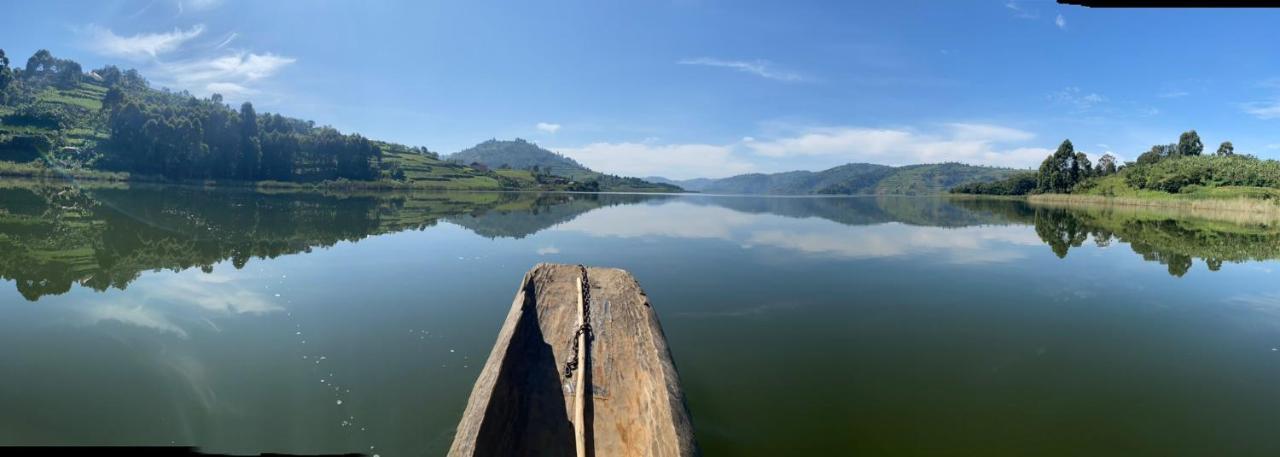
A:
x: 229, y: 74
x: 967, y: 143
x: 1078, y: 98
x: 989, y: 132
x: 677, y: 161
x: 1173, y: 94
x: 140, y: 46
x: 1061, y: 22
x: 1263, y: 110
x: 548, y: 250
x: 548, y: 127
x: 761, y: 68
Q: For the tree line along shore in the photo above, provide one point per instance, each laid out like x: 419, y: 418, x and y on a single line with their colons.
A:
x: 1178, y: 175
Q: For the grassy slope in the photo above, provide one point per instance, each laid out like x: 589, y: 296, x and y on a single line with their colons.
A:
x: 87, y: 95
x: 425, y: 172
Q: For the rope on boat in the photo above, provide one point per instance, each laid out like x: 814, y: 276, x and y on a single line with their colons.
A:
x: 571, y: 364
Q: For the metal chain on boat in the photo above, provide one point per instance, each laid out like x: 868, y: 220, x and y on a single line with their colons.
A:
x: 571, y: 364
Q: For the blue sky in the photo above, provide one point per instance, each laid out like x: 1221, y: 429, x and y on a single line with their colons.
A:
x: 704, y: 88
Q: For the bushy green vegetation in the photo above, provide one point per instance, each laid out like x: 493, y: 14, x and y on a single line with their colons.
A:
x: 1166, y: 171
x: 1185, y: 173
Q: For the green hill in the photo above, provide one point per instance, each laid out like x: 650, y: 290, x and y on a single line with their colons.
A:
x: 58, y: 120
x: 853, y: 179
x: 519, y: 155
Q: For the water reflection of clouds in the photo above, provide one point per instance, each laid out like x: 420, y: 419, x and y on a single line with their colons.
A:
x: 164, y: 302
x: 810, y: 236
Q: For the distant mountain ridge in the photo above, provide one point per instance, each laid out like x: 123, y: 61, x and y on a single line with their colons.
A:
x: 519, y: 154
x: 850, y: 179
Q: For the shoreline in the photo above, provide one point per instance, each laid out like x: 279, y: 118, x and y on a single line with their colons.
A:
x: 1239, y: 210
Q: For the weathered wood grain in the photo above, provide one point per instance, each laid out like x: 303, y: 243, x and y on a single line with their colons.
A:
x: 522, y: 406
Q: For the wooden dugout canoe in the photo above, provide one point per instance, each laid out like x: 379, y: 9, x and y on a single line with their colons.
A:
x: 523, y: 405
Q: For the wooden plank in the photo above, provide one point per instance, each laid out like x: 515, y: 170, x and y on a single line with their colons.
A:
x: 635, y: 407
x: 584, y: 365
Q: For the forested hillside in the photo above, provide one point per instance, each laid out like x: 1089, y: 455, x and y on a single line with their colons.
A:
x: 56, y: 119
x: 853, y: 179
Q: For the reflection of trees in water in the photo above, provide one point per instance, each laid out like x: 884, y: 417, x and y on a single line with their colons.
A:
x: 53, y: 238
x: 1170, y: 241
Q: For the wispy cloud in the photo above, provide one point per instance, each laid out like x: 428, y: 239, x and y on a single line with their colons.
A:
x: 1020, y: 11
x: 228, y: 74
x: 1173, y: 94
x: 1079, y: 99
x: 1060, y: 21
x: 226, y: 41
x: 141, y: 46
x: 761, y: 68
x: 548, y: 127
x: 1269, y: 109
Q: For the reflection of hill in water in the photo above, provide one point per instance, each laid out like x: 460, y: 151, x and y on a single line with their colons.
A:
x: 1169, y: 240
x: 52, y: 238
x: 543, y: 212
x: 925, y: 211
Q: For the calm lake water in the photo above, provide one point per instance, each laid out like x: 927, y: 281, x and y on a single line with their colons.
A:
x: 243, y: 322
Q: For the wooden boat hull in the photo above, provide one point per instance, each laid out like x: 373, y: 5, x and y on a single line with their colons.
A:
x: 522, y: 405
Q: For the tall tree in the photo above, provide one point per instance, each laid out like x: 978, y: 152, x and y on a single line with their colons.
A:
x: 250, y: 144
x: 1189, y: 144
x: 1106, y: 165
x: 1082, y: 167
x: 39, y: 62
x: 1060, y: 171
x: 6, y: 77
x: 1226, y: 149
x: 112, y: 99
